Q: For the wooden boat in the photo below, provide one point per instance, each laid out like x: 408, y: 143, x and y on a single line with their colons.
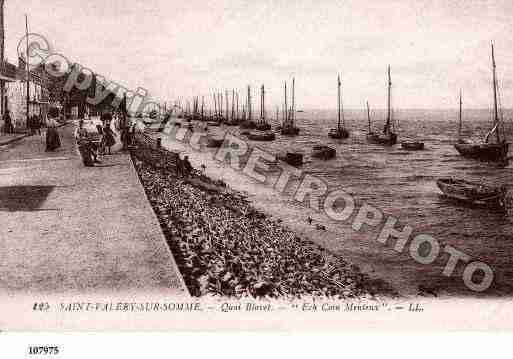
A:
x: 289, y: 131
x: 249, y: 125
x: 388, y: 137
x: 495, y: 147
x: 340, y: 132
x: 472, y: 192
x: 214, y: 142
x: 263, y: 125
x: 289, y: 116
x: 292, y: 158
x: 247, y: 122
x: 262, y: 136
x: 323, y: 152
x: 412, y: 145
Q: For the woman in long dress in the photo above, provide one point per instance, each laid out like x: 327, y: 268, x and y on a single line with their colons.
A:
x: 108, y: 134
x: 53, y: 140
x: 8, y: 127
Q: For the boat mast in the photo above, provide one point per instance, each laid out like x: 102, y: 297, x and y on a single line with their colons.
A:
x: 387, y: 125
x: 338, y: 102
x: 249, y: 103
x: 227, y: 107
x: 202, y: 107
x: 460, y: 119
x: 233, y: 103
x: 293, y: 114
x: 237, y: 97
x: 368, y: 116
x: 495, y: 109
x: 215, y: 105
x: 286, y: 111
x: 261, y: 103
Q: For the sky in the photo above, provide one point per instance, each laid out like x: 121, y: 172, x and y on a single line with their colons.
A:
x: 180, y: 49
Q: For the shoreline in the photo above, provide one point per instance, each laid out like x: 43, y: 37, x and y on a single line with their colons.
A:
x: 223, y: 244
x: 344, y: 242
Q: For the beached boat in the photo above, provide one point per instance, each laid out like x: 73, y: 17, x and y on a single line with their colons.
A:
x: 323, y: 152
x: 495, y: 147
x: 292, y: 158
x: 412, y: 145
x: 388, y: 137
x: 248, y: 125
x: 340, y: 132
x: 214, y: 142
x: 262, y: 136
x: 472, y: 192
x: 263, y: 125
x: 288, y: 127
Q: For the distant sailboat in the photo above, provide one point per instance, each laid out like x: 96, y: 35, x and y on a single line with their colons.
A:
x: 460, y: 123
x: 490, y: 150
x: 340, y: 132
x: 248, y: 122
x: 262, y: 125
x: 388, y: 137
x: 263, y: 132
x: 288, y: 128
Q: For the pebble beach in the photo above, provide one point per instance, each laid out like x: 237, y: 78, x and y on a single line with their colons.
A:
x: 223, y: 246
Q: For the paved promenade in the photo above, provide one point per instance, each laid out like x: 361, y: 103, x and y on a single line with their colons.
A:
x: 66, y: 228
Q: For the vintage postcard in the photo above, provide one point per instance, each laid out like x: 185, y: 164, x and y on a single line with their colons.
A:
x: 266, y: 165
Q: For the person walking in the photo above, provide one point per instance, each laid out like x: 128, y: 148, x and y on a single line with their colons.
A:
x: 8, y: 127
x: 186, y: 166
x: 53, y: 140
x: 37, y: 125
x: 108, y: 135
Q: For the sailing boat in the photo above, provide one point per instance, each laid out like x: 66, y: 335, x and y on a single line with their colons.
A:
x: 263, y: 132
x: 340, y: 132
x: 262, y: 125
x: 248, y: 122
x: 288, y: 128
x: 490, y: 150
x: 387, y: 137
x: 460, y: 124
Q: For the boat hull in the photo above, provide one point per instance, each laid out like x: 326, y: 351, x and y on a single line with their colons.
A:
x: 472, y: 193
x: 289, y: 131
x: 338, y: 133
x: 292, y: 158
x: 214, y: 142
x: 264, y: 136
x: 413, y: 146
x: 382, y: 139
x: 324, y: 152
x: 248, y: 125
x: 491, y: 152
x: 263, y: 127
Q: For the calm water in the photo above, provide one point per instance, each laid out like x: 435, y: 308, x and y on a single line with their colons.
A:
x: 402, y: 183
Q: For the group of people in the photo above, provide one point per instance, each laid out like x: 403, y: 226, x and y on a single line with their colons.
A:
x: 93, y: 145
x: 34, y: 124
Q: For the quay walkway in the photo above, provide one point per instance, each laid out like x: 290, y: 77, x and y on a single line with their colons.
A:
x: 66, y: 228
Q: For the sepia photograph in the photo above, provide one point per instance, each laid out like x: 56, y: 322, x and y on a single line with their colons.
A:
x: 233, y: 165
